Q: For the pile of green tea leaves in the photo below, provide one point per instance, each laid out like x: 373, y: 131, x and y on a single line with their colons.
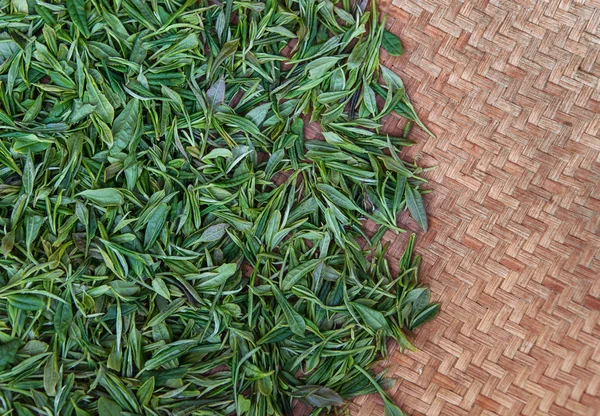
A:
x: 171, y: 243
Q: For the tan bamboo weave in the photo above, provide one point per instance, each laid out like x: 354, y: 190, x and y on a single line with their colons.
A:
x: 511, y: 88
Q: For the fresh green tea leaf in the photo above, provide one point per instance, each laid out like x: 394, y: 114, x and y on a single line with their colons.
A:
x: 63, y: 317
x: 77, y: 12
x: 319, y: 396
x: 391, y: 44
x: 26, y: 302
x: 25, y: 143
x: 371, y: 317
x: 104, y: 197
x: 427, y: 315
x: 414, y: 201
x: 293, y: 318
x: 294, y: 275
x: 107, y: 407
x: 125, y: 126
x: 8, y: 353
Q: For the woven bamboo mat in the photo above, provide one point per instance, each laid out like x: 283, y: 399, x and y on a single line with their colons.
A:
x: 511, y: 88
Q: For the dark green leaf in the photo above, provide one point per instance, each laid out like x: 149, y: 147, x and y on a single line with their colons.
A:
x: 337, y: 197
x: 319, y: 396
x: 33, y: 224
x: 8, y: 353
x: 414, y: 201
x: 294, y: 275
x: 30, y: 143
x: 78, y: 14
x: 391, y: 409
x: 216, y: 278
x: 63, y: 316
x: 293, y: 318
x: 26, y: 302
x: 125, y: 126
x: 104, y: 197
x: 101, y: 104
x: 427, y: 315
x: 391, y: 44
x: 107, y: 407
x: 373, y: 319
x: 214, y: 233
x: 156, y: 224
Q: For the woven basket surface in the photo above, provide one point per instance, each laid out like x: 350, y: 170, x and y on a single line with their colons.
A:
x: 511, y: 89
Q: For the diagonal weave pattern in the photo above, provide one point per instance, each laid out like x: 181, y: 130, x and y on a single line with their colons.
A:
x: 511, y: 88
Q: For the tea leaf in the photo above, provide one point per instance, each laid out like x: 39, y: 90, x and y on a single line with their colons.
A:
x: 337, y: 197
x: 26, y: 302
x: 391, y: 409
x: 63, y: 316
x: 30, y: 143
x: 156, y: 224
x: 216, y: 93
x: 217, y: 278
x: 427, y: 315
x: 372, y: 318
x: 319, y: 396
x: 100, y: 103
x: 144, y: 393
x: 78, y: 14
x: 414, y: 201
x: 214, y: 233
x: 391, y: 44
x: 107, y: 407
x: 8, y: 353
x: 104, y: 197
x: 125, y: 126
x: 298, y: 273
